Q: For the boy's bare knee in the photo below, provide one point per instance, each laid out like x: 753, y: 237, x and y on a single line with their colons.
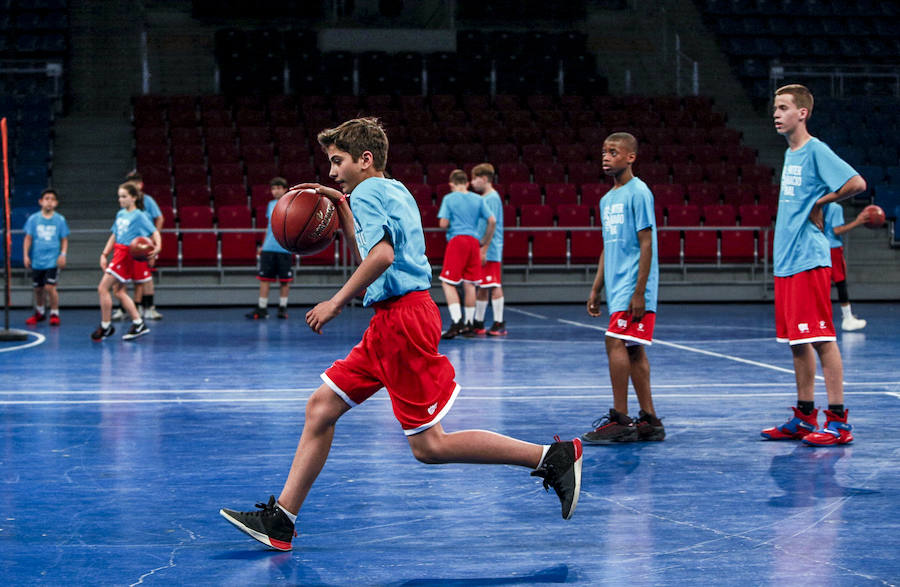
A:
x: 426, y: 454
x: 322, y: 409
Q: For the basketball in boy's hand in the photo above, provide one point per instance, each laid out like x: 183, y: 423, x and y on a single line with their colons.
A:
x: 140, y: 248
x: 875, y: 216
x: 304, y: 222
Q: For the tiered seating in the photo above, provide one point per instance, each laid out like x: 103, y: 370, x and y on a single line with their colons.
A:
x: 219, y: 153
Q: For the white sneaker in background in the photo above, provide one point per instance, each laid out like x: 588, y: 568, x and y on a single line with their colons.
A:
x: 851, y: 323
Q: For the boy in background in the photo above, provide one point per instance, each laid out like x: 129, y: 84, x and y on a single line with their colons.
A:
x: 491, y: 286
x: 629, y: 269
x: 45, y: 247
x: 275, y: 263
x: 835, y: 227
x: 460, y: 213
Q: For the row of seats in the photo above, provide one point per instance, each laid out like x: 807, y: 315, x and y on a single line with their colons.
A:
x: 34, y: 30
x: 30, y: 131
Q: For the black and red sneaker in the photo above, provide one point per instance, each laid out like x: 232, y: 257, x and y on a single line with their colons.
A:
x: 561, y: 470
x: 649, y: 427
x: 35, y: 318
x: 611, y: 428
x: 478, y: 328
x: 269, y: 525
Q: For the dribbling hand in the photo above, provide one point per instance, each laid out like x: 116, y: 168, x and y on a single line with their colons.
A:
x: 321, y: 314
x: 330, y: 193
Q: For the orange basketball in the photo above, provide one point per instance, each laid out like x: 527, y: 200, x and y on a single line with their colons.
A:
x: 876, y: 216
x: 304, y: 222
x: 140, y: 248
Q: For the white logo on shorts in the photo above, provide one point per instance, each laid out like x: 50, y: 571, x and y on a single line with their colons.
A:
x: 803, y: 327
x: 641, y: 327
x: 432, y: 408
x: 621, y: 323
x: 822, y: 324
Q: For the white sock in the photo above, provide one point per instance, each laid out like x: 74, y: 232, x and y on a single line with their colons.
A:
x: 137, y: 322
x: 263, y: 302
x: 470, y: 313
x: 282, y: 302
x: 544, y: 450
x: 480, y: 309
x: 497, y: 306
x: 40, y: 309
x: 455, y: 312
x: 105, y: 325
x: 54, y: 312
x: 845, y: 311
x: 293, y: 517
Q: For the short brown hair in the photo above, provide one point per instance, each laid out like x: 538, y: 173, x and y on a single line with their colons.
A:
x: 50, y: 191
x: 278, y: 181
x: 357, y: 136
x: 803, y: 98
x: 626, y: 138
x: 133, y: 175
x: 484, y: 170
x: 458, y: 177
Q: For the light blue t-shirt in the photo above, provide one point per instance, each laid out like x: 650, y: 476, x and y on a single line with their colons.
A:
x: 151, y: 208
x: 809, y: 173
x: 269, y: 243
x: 384, y: 207
x: 463, y: 210
x: 46, y: 238
x: 130, y: 225
x: 834, y: 216
x: 495, y: 207
x: 624, y: 212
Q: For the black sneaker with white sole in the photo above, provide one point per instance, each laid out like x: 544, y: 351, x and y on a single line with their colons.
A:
x: 561, y: 470
x: 136, y: 330
x: 269, y: 525
x: 102, y: 333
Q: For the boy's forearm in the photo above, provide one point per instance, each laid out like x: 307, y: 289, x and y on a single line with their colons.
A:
x: 855, y: 185
x: 376, y: 262
x: 345, y: 214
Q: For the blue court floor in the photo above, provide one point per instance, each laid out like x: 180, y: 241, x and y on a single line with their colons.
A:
x: 117, y: 456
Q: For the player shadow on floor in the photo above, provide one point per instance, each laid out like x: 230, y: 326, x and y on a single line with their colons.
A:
x: 269, y: 567
x: 608, y: 465
x: 554, y: 574
x: 807, y: 474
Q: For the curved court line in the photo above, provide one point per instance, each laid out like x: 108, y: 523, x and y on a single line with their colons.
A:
x: 699, y: 351
x: 40, y: 338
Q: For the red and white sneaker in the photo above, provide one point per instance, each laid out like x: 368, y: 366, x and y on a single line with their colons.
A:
x: 794, y: 429
x: 35, y: 318
x: 54, y: 319
x: 835, y: 431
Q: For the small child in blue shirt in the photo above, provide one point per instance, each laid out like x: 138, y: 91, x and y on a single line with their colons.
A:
x: 399, y: 349
x: 46, y: 244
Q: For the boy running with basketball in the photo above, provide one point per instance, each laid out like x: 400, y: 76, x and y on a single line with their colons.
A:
x: 813, y: 176
x: 629, y: 269
x: 398, y: 351
x: 834, y: 228
x: 491, y: 286
x: 460, y: 213
x: 45, y: 247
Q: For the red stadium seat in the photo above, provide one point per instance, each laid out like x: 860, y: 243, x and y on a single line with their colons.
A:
x: 408, y: 172
x: 239, y: 248
x: 199, y: 249
x: 573, y: 215
x: 153, y: 154
x: 258, y: 153
x: 535, y: 215
x: 722, y: 172
x: 161, y: 193
x: 195, y: 217
x: 768, y: 194
x: 652, y: 173
x: 515, y: 247
x: 686, y: 215
x: 766, y: 243
x: 586, y: 246
x: 467, y: 152
x: 703, y: 193
x: 585, y: 172
x: 191, y: 194
x: 168, y: 257
x: 738, y: 246
x: 759, y: 215
x: 402, y: 153
x: 186, y: 135
x: 739, y: 193
x: 502, y: 153
x: 295, y: 173
x: 226, y: 173
x: 533, y: 153
x: 222, y: 153
x: 261, y: 173
x: 260, y: 194
x: 510, y: 215
x: 435, y: 245
x: 700, y: 246
x: 548, y: 246
x: 295, y: 152
x: 524, y: 193
x: 561, y: 193
x: 591, y: 193
x: 687, y: 173
x: 229, y: 195
x: 756, y: 174
x: 439, y: 172
x: 546, y: 172
x: 719, y: 215
x: 234, y: 217
x: 669, y: 244
x: 190, y: 173
x: 422, y: 193
x: 328, y: 256
x: 429, y: 216
x: 514, y: 172
x: 433, y: 152
x: 668, y: 194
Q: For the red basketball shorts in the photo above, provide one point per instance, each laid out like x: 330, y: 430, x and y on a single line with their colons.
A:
x: 462, y: 260
x: 838, y: 265
x: 490, y: 274
x: 398, y: 351
x: 622, y: 325
x: 803, y: 307
x: 125, y: 268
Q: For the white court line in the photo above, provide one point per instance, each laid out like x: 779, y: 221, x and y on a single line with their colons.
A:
x: 40, y: 338
x: 696, y: 350
x: 518, y: 311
